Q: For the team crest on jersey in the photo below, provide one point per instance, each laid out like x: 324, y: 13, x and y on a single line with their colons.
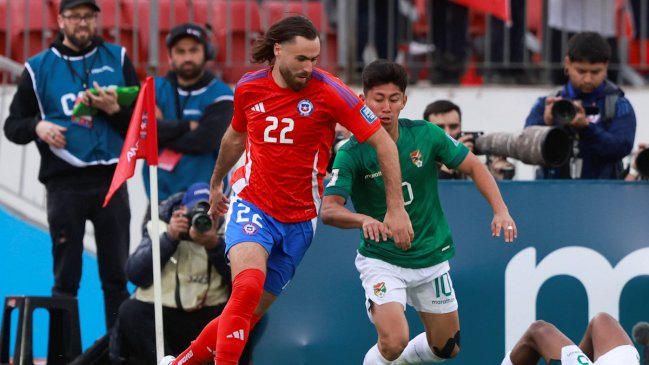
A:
x: 249, y: 229
x: 367, y: 113
x: 379, y: 289
x: 417, y: 158
x: 305, y: 107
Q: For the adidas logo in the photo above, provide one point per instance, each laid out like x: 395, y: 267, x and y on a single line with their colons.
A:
x: 259, y: 107
x: 236, y: 334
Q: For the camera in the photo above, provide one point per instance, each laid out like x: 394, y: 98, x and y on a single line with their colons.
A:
x: 198, y: 218
x: 564, y: 111
x: 474, y: 135
x: 535, y: 145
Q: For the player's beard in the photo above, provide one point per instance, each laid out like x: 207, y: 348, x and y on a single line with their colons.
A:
x: 291, y: 78
x: 80, y: 42
x: 189, y: 70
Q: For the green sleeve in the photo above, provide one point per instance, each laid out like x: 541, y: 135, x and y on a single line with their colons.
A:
x: 342, y: 175
x: 449, y: 151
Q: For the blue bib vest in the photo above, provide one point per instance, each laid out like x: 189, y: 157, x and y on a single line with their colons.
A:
x: 186, y: 106
x: 59, y: 80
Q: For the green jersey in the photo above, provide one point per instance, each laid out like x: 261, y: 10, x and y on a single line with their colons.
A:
x: 356, y: 173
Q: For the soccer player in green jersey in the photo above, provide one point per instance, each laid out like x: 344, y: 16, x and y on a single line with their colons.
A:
x: 416, y: 273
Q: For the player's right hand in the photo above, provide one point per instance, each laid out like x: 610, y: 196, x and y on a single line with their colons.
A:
x: 219, y: 203
x: 399, y: 227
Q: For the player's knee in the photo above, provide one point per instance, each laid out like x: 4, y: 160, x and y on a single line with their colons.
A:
x: 537, y: 331
x: 602, y: 318
x: 392, y: 346
x: 450, y: 349
x: 540, y: 328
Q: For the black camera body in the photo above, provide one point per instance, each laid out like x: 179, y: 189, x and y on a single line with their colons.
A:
x: 474, y: 135
x: 198, y: 218
x: 564, y: 111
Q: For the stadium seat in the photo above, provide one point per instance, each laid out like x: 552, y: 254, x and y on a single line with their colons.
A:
x: 171, y: 13
x: 235, y: 25
x: 274, y: 10
x: 64, y: 342
x: 30, y: 26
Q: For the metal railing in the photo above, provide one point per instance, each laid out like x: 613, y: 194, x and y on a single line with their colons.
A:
x: 438, y: 40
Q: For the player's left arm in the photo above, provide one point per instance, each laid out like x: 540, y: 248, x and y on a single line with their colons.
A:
x: 336, y: 214
x: 487, y: 186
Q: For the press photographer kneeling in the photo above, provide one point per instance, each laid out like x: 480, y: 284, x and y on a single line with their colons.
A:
x: 592, y: 109
x: 195, y: 281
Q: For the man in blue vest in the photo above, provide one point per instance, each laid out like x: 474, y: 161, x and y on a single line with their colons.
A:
x: 194, y: 109
x: 598, y: 116
x: 78, y: 156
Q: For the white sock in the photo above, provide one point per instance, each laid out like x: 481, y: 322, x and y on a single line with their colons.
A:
x: 417, y: 352
x: 507, y: 360
x: 374, y: 357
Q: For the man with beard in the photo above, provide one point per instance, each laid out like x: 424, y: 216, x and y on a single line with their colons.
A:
x: 78, y: 156
x: 193, y: 110
x: 284, y: 119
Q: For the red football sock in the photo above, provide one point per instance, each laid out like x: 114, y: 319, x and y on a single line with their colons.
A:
x: 235, y: 323
x: 201, y: 349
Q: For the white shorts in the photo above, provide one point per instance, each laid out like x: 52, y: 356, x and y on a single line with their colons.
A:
x: 427, y: 290
x: 572, y: 355
x: 621, y: 355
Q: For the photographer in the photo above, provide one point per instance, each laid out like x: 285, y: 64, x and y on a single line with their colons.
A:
x: 448, y: 116
x: 600, y: 119
x: 195, y: 280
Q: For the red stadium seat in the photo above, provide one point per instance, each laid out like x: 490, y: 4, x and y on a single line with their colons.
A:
x: 30, y: 26
x: 235, y: 25
x: 274, y: 10
x: 136, y: 15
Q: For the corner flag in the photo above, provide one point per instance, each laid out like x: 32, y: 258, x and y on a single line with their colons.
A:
x: 141, y: 139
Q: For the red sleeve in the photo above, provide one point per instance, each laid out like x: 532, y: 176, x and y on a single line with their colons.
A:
x: 239, y: 120
x: 348, y: 110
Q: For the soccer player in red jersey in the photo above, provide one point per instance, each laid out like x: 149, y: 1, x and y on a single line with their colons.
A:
x: 284, y: 119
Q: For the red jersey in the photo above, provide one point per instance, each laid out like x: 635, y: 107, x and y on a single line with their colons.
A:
x: 289, y: 139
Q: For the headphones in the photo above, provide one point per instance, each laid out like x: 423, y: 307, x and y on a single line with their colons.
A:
x: 195, y: 31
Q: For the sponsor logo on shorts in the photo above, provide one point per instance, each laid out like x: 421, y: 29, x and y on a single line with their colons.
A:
x: 249, y: 229
x: 305, y: 107
x: 379, y: 289
x: 368, y: 114
x: 443, y: 301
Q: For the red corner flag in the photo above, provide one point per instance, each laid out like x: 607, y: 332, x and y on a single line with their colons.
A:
x: 498, y: 8
x: 141, y: 139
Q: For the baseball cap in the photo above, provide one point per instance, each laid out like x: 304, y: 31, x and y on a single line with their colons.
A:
x: 186, y: 30
x: 195, y: 193
x: 68, y: 4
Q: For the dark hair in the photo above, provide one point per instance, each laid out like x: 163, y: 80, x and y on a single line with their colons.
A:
x: 441, y: 107
x: 284, y: 30
x: 381, y: 72
x: 588, y: 47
